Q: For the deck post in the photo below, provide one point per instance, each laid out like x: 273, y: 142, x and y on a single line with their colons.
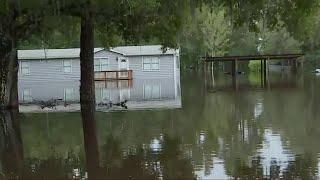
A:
x: 268, y: 68
x: 205, y: 73
x: 234, y: 73
x: 261, y: 72
x: 234, y: 83
x: 294, y: 65
x: 234, y: 67
x: 265, y: 71
x: 212, y: 75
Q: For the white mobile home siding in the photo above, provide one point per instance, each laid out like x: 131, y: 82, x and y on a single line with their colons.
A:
x: 112, y: 58
x: 49, y: 90
x: 166, y: 67
x: 52, y: 69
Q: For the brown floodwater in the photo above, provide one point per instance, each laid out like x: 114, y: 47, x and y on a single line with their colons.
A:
x: 255, y: 131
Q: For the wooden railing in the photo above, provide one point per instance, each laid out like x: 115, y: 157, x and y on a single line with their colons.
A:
x: 113, y: 75
x: 113, y: 84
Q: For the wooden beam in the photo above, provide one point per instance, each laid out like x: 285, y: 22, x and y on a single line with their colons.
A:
x: 265, y: 72
x: 233, y: 70
x: 254, y: 57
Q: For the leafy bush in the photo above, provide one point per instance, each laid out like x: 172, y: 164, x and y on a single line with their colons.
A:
x: 312, y: 60
x: 254, y: 66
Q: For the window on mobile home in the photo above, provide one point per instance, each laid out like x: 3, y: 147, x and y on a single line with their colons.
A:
x: 25, y: 68
x: 67, y: 67
x: 151, y: 91
x: 69, y: 94
x: 26, y: 95
x: 151, y: 64
x: 101, y: 64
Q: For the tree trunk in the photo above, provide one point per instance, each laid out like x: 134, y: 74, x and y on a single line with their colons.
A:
x: 87, y: 94
x: 13, y: 152
x: 2, y: 80
x: 9, y: 77
x: 11, y: 89
x: 10, y: 99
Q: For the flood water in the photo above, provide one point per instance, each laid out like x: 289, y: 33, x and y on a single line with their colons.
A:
x: 219, y: 133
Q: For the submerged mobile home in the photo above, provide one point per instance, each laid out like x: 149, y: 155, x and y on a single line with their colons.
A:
x: 141, y: 74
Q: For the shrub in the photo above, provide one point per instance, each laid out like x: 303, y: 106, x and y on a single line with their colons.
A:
x: 254, y: 66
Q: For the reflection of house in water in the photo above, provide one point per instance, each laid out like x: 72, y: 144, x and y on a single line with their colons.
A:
x: 144, y: 76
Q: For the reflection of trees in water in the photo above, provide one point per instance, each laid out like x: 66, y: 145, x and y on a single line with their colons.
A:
x: 220, y: 125
x: 241, y: 169
x: 304, y: 166
x: 12, y: 153
x: 55, y: 167
x: 139, y: 161
x: 143, y: 162
x: 15, y: 165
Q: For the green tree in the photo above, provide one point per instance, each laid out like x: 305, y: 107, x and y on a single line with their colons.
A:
x: 243, y: 41
x: 280, y: 41
x: 215, y: 29
x: 207, y: 29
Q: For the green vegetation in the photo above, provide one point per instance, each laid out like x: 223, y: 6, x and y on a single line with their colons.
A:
x: 255, y: 66
x: 212, y: 27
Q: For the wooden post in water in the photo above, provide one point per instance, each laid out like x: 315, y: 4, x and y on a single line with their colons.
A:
x: 205, y: 73
x: 294, y: 66
x: 212, y: 75
x: 261, y: 73
x: 265, y: 72
x: 234, y: 73
x: 268, y: 72
x: 234, y: 67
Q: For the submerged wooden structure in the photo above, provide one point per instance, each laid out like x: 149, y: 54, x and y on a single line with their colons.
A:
x: 292, y: 60
x: 113, y: 75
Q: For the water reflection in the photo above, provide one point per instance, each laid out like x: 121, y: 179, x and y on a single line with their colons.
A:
x: 12, y: 149
x: 110, y: 95
x: 251, y: 82
x: 220, y: 135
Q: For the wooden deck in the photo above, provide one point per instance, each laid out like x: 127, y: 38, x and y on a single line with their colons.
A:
x: 253, y: 57
x: 113, y: 75
x: 291, y: 58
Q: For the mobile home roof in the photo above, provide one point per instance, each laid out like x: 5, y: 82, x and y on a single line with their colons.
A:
x: 75, y: 52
